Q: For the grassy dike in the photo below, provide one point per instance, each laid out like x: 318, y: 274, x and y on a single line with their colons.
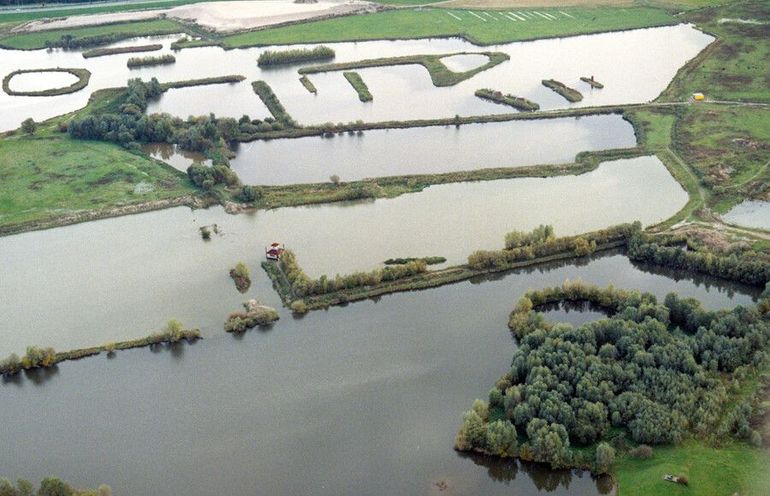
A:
x: 439, y: 73
x: 564, y: 248
x: 83, y: 75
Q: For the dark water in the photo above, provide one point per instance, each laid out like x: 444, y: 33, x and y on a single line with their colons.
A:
x: 364, y: 399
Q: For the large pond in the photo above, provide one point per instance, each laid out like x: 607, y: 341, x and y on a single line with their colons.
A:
x: 635, y: 66
x: 107, y: 269
x: 364, y: 399
x: 750, y: 213
x: 428, y: 150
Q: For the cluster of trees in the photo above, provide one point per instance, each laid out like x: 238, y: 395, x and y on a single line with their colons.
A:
x: 173, y: 333
x: 272, y: 57
x: 650, y: 369
x: 50, y: 486
x: 541, y: 242
x: 303, y: 285
x: 34, y: 358
x: 274, y: 105
x: 150, y: 60
x: 255, y: 314
x: 540, y: 234
x: 748, y: 267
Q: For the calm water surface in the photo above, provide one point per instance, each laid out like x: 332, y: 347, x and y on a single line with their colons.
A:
x: 175, y: 156
x: 428, y: 150
x: 39, y: 81
x: 364, y: 399
x: 635, y: 66
x: 750, y: 213
x: 106, y: 269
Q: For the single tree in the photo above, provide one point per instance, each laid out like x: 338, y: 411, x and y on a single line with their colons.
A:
x: 29, y: 126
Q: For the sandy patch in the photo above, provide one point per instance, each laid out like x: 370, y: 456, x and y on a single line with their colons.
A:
x: 218, y: 16
x: 240, y: 15
x: 86, y: 20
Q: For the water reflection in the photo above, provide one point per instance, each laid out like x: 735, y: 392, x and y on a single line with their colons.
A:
x: 428, y: 150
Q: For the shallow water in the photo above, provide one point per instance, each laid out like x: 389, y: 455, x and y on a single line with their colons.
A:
x: 635, y: 66
x: 750, y: 213
x: 361, y: 399
x: 428, y: 150
x: 175, y: 156
x: 463, y: 63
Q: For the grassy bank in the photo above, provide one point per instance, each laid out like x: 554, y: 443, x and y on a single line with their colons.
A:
x: 439, y: 73
x: 390, y: 187
x: 54, y: 177
x: 570, y: 94
x: 359, y: 85
x: 83, y: 75
x: 93, y: 35
x: 432, y: 23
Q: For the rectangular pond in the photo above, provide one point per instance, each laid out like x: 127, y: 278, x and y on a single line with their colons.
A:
x: 428, y: 150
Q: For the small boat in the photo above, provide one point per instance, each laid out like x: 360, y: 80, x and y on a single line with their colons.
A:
x: 274, y: 251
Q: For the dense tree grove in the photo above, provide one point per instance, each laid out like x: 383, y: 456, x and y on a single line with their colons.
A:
x: 651, y: 369
x: 50, y: 486
x: 749, y: 267
x: 541, y: 242
x: 303, y: 285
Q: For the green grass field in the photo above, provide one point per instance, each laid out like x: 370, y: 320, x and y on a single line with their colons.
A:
x: 484, y: 30
x: 727, y: 147
x: 733, y: 469
x: 31, y: 41
x: 735, y: 68
x: 49, y: 177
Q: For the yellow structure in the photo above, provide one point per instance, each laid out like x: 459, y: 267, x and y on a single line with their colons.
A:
x: 698, y: 97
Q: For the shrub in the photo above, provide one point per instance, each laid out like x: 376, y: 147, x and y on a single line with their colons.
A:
x: 29, y: 126
x: 643, y: 452
x: 605, y: 457
x: 298, y: 306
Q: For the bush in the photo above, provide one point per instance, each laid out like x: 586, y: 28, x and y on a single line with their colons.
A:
x: 29, y: 126
x: 605, y: 457
x: 298, y: 306
x: 643, y: 452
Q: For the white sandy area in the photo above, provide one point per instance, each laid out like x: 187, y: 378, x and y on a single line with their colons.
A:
x: 217, y: 16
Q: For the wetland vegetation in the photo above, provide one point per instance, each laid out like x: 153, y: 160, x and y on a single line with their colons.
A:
x: 516, y: 102
x: 151, y: 60
x: 439, y: 72
x: 282, y: 57
x: 570, y: 94
x: 103, y: 52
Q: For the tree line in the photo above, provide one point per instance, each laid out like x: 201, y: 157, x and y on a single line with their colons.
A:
x: 302, y: 285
